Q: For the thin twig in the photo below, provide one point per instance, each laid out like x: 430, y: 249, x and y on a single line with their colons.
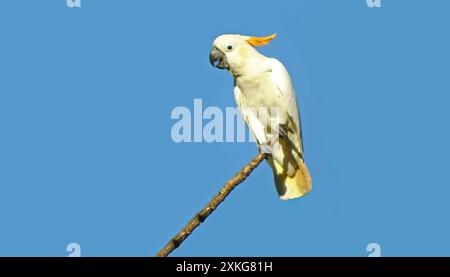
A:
x: 176, y: 241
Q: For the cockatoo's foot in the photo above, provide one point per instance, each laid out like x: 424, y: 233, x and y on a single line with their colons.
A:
x: 272, y: 150
x: 266, y: 149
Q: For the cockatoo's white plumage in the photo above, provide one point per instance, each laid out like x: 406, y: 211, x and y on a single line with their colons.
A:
x: 263, y: 84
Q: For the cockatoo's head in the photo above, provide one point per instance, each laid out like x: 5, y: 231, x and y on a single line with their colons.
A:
x: 234, y: 52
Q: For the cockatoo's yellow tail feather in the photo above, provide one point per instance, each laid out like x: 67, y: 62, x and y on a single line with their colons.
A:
x: 291, y: 187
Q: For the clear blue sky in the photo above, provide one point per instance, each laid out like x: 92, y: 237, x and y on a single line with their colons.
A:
x: 86, y: 154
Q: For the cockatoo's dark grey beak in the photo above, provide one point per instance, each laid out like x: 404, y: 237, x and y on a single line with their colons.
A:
x: 218, y: 59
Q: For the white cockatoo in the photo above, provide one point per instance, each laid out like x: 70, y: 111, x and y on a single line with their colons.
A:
x: 267, y: 102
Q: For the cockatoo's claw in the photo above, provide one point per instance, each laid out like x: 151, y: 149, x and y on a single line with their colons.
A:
x: 266, y: 149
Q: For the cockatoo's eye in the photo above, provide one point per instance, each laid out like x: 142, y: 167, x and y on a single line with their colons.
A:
x: 230, y: 47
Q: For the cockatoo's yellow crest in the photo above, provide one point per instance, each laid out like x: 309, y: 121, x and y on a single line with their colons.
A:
x: 260, y: 41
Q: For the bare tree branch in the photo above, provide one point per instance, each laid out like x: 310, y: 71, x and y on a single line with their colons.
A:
x: 176, y: 241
